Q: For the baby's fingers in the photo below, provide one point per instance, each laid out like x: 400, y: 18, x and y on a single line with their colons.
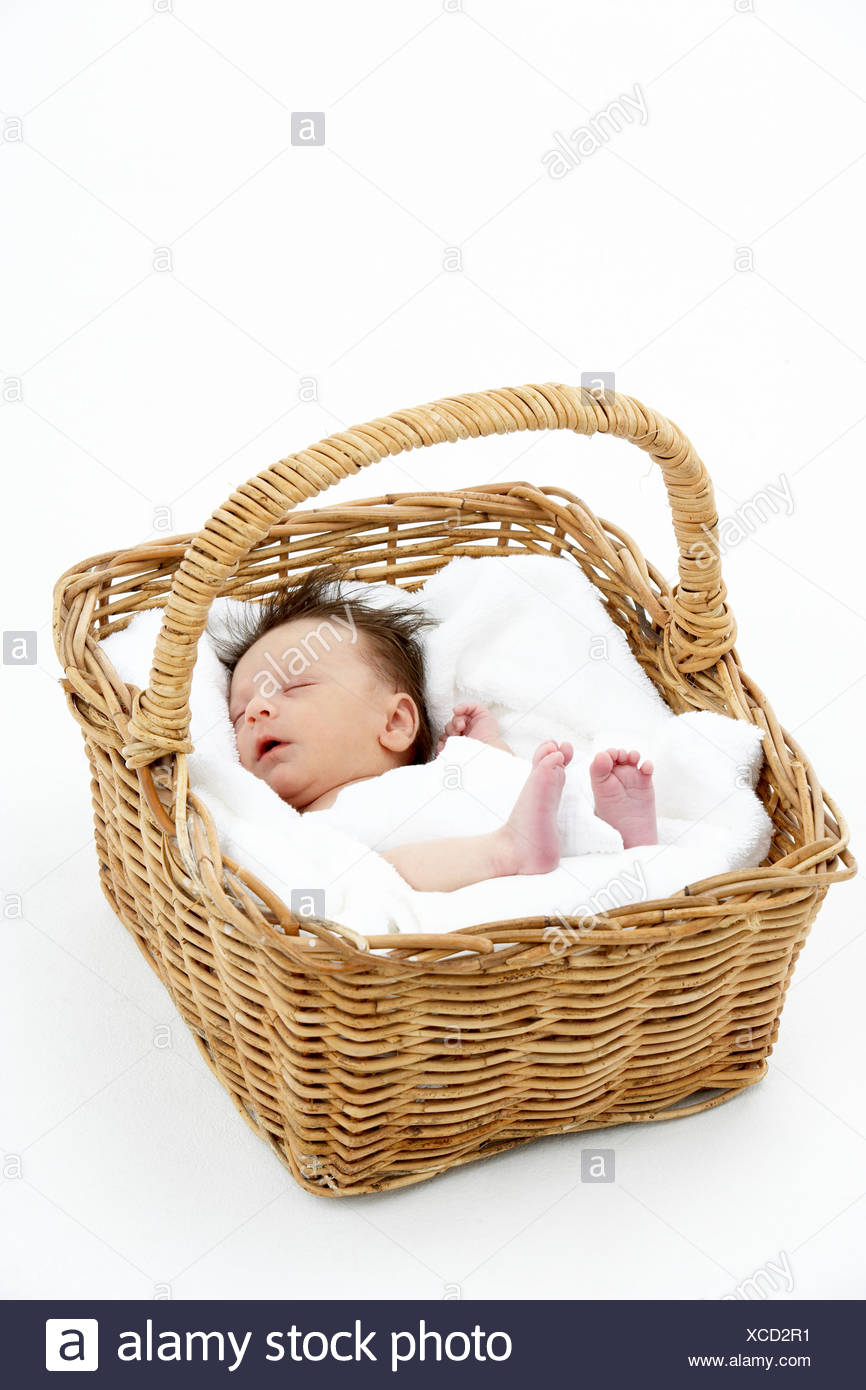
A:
x: 469, y: 708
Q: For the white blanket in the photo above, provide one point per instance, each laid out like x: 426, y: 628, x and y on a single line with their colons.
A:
x: 469, y: 789
x: 529, y: 636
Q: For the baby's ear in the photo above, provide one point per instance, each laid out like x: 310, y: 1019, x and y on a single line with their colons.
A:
x: 401, y: 724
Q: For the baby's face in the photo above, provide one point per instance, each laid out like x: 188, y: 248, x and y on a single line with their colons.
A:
x: 310, y: 714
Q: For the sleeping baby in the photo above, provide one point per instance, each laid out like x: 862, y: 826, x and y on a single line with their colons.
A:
x: 328, y: 693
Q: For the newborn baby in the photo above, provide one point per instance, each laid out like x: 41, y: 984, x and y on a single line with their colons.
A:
x: 327, y: 693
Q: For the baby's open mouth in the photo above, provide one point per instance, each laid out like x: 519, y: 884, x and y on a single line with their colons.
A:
x: 268, y: 747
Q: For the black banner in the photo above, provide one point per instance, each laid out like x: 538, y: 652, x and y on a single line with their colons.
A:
x: 483, y: 1343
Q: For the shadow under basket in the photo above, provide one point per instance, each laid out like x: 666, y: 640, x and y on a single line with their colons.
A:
x: 372, y: 1071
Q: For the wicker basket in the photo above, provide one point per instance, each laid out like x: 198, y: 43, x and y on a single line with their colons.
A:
x: 371, y: 1071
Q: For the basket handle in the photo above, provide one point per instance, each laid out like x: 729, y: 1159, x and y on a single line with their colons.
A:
x: 700, y: 627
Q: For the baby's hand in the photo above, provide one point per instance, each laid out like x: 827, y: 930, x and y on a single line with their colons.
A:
x: 472, y: 720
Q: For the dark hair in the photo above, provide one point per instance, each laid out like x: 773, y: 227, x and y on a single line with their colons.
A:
x: 394, y: 650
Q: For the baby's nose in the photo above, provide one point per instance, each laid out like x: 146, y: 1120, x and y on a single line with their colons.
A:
x: 258, y: 705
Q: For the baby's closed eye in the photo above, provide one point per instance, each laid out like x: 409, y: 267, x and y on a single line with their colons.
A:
x: 287, y: 690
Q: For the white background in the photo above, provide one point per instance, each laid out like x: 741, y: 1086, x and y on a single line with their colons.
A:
x: 143, y: 390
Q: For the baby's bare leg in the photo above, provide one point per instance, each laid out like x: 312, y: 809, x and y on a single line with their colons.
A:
x: 440, y: 866
x: 528, y: 842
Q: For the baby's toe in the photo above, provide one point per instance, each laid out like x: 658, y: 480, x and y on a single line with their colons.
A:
x: 552, y: 758
x: 542, y: 751
x: 602, y: 763
x: 634, y: 756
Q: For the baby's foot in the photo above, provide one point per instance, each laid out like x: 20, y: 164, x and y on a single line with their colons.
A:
x: 624, y: 795
x: 528, y: 842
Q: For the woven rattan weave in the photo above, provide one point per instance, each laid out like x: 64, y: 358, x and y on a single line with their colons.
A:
x: 371, y: 1071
